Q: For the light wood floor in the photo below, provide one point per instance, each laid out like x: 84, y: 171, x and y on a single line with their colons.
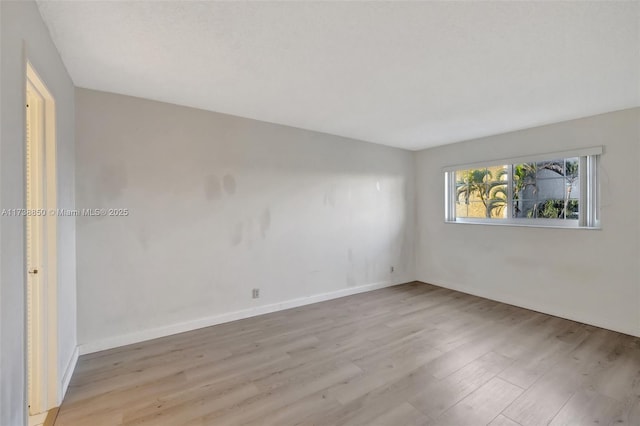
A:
x: 413, y: 354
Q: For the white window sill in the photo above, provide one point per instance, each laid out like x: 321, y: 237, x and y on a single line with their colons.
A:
x: 528, y: 224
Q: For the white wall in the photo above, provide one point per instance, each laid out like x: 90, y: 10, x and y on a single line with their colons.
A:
x: 587, y: 275
x: 220, y: 205
x: 23, y: 34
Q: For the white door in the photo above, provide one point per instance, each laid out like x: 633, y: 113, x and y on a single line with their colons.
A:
x: 40, y: 247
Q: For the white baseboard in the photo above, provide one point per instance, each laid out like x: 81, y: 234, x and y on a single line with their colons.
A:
x: 68, y: 372
x: 548, y: 309
x: 154, y: 333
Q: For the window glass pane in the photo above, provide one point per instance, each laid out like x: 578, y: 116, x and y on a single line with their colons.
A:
x: 498, y: 192
x: 573, y: 189
x: 475, y: 209
x: 522, y: 207
x: 462, y: 210
x: 498, y: 207
x: 464, y: 188
x: 550, y: 169
x: 572, y: 176
x: 572, y: 167
x: 481, y: 192
x: 554, y: 208
x: 572, y: 210
x: 524, y: 189
x: 550, y: 188
x: 551, y: 208
x: 530, y: 209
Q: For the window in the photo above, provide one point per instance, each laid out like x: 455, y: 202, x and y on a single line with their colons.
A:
x: 558, y: 190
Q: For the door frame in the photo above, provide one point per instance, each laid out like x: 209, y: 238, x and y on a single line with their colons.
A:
x: 42, y: 383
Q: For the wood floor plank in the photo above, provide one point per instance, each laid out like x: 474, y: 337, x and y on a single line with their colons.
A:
x: 252, y: 408
x: 630, y: 411
x: 314, y: 406
x: 482, y: 406
x: 402, y: 415
x: 437, y: 397
x: 587, y: 407
x: 413, y: 354
x: 542, y: 401
x: 534, y: 363
x: 502, y: 420
x: 385, y: 372
x: 375, y: 402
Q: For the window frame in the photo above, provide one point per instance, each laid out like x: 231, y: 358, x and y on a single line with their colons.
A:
x: 589, y: 201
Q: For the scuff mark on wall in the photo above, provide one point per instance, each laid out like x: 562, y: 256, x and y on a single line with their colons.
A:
x: 351, y: 281
x: 367, y: 269
x: 330, y: 196
x: 229, y: 184
x: 112, y: 181
x: 212, y: 189
x: 265, y: 222
x: 236, y: 234
x: 143, y: 238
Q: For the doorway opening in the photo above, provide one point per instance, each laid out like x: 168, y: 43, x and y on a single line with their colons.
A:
x: 41, y: 249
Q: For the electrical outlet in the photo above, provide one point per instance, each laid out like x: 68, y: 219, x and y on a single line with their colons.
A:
x: 255, y: 293
x: 393, y: 268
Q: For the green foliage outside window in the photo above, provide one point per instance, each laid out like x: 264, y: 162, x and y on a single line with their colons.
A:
x: 554, y: 209
x: 485, y: 191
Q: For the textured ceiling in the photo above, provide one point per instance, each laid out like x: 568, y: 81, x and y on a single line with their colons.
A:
x: 410, y: 75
